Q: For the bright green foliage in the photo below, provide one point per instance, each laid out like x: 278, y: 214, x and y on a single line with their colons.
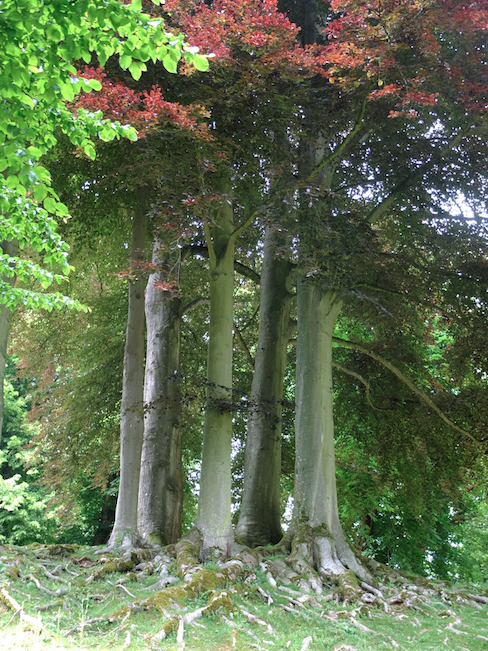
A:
x: 37, y: 77
x: 24, y: 516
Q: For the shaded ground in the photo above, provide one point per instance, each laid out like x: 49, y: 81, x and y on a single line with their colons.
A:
x: 67, y: 597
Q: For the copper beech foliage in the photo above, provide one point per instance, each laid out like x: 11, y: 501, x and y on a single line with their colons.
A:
x: 413, y: 51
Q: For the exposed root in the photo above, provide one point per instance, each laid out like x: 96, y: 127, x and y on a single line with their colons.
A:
x: 306, y: 643
x: 125, y: 564
x: 175, y: 623
x: 58, y: 593
x: 290, y: 588
x: 87, y: 622
x: 28, y: 621
x: 317, y: 558
x: 188, y: 552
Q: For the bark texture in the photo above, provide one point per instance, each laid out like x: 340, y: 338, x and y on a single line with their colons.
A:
x: 315, y: 483
x: 214, y: 503
x: 124, y: 534
x: 8, y: 248
x: 259, y: 521
x: 161, y: 480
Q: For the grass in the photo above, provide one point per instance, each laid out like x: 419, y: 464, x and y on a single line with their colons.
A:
x: 441, y: 621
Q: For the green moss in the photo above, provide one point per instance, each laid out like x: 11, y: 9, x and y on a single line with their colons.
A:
x: 156, y: 539
x: 188, y: 551
x: 13, y: 572
x: 349, y: 587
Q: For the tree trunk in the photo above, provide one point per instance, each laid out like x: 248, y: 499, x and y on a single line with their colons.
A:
x: 124, y: 534
x: 8, y: 248
x: 315, y: 484
x: 259, y: 520
x: 214, y: 503
x: 161, y: 481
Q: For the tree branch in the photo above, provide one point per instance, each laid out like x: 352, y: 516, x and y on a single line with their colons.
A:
x: 247, y: 272
x: 196, y: 302
x: 405, y: 380
x: 363, y: 381
x: 345, y: 143
x: 243, y: 226
x: 243, y: 344
x: 375, y: 288
x: 198, y: 249
x: 210, y: 249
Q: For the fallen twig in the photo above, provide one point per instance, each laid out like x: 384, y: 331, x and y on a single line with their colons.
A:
x: 119, y: 585
x: 52, y: 575
x: 127, y: 642
x: 33, y: 622
x: 365, y: 629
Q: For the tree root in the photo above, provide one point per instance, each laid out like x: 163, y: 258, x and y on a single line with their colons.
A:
x: 28, y: 621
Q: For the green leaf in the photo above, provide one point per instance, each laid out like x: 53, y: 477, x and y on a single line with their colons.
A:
x: 12, y: 181
x: 170, y: 64
x: 200, y: 62
x: 95, y: 84
x: 125, y: 61
x: 40, y: 192
x: 62, y: 209
x: 67, y: 92
x: 136, y: 69
x: 90, y: 151
x: 49, y: 204
x: 107, y: 134
x: 42, y: 173
x: 130, y: 133
x: 34, y: 152
x: 136, y: 4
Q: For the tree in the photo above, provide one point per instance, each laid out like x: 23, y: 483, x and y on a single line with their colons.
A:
x: 259, y: 518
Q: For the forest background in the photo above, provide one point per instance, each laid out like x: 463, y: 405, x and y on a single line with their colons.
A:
x: 356, y: 162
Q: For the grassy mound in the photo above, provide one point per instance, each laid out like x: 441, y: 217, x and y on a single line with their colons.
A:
x: 67, y: 597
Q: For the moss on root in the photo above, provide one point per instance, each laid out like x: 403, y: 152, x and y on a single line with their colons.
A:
x: 349, y: 589
x: 188, y: 552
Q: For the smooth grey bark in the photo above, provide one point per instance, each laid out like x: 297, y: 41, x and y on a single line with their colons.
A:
x: 161, y: 480
x: 10, y: 248
x: 259, y: 520
x: 214, y: 503
x: 315, y: 481
x: 124, y: 533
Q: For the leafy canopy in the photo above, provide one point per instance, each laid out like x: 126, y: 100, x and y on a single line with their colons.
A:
x: 40, y: 41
